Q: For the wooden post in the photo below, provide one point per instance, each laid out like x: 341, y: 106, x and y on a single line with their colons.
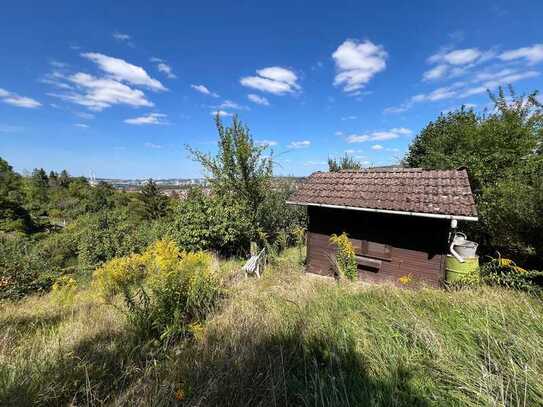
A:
x: 253, y: 249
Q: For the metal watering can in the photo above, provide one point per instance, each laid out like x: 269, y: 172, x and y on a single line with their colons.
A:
x: 462, y: 248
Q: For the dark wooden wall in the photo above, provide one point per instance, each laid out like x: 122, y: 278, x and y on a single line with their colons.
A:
x: 400, y: 244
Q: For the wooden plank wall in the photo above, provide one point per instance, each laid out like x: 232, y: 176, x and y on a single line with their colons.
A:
x: 417, y: 245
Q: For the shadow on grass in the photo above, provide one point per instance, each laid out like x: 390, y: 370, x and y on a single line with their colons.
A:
x: 92, y: 372
x: 28, y: 324
x: 296, y: 371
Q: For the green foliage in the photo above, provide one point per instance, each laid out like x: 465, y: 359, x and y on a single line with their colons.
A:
x: 239, y: 169
x: 308, y: 341
x: 204, y: 222
x: 154, y: 205
x: 505, y: 273
x: 35, y: 189
x: 108, y: 234
x: 164, y: 290
x: 345, y: 256
x: 503, y: 154
x: 13, y: 216
x: 64, y: 291
x: 347, y: 162
x: 22, y: 269
x: 244, y: 204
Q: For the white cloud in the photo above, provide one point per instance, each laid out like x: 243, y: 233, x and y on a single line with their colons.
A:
x: 437, y: 94
x: 274, y: 79
x: 20, y: 101
x: 163, y: 67
x: 379, y: 135
x: 498, y: 81
x: 357, y: 62
x: 100, y: 93
x: 349, y: 118
x: 229, y: 104
x: 151, y: 118
x: 436, y: 72
x: 401, y: 130
x: 82, y: 125
x: 357, y: 138
x: 377, y: 147
x: 299, y: 144
x: 397, y: 109
x: 84, y: 115
x: 166, y: 70
x: 221, y: 113
x: 455, y: 63
x: 121, y: 37
x: 259, y: 100
x: 269, y: 143
x: 204, y: 90
x: 123, y: 71
x: 456, y: 57
x: 152, y: 145
x: 533, y: 54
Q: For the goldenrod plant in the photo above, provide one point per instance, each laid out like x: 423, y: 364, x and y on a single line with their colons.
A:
x: 163, y: 289
x: 345, y: 256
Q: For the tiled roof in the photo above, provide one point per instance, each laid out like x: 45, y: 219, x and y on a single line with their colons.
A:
x: 396, y: 189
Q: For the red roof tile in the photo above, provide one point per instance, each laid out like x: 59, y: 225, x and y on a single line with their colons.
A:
x: 398, y: 189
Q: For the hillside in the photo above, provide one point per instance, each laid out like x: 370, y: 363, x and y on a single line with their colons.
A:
x: 287, y: 339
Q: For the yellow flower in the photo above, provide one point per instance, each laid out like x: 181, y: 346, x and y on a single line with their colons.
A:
x: 405, y: 280
x: 505, y: 262
x: 180, y: 394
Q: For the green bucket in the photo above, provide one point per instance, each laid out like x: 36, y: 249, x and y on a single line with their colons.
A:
x: 458, y: 272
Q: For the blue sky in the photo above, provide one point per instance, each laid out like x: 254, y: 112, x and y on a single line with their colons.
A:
x: 120, y: 89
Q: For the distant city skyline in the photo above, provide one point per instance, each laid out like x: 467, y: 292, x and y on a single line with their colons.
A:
x: 121, y: 89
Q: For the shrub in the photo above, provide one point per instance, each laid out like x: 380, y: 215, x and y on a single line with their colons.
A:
x: 109, y: 234
x: 64, y: 291
x: 219, y: 223
x: 22, y: 269
x: 505, y: 273
x: 164, y: 289
x: 345, y: 257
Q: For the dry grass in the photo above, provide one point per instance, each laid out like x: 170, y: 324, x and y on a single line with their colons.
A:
x: 284, y: 340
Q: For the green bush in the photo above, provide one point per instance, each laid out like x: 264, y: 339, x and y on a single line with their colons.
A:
x: 109, y: 234
x: 505, y: 273
x: 22, y: 269
x: 203, y: 222
x: 164, y: 289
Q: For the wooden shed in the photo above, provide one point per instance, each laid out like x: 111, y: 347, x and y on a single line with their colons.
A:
x: 398, y: 219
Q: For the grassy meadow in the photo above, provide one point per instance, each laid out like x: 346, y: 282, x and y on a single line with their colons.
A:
x: 286, y: 339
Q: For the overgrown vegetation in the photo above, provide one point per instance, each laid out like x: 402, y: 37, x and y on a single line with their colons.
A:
x: 503, y: 152
x: 54, y: 225
x: 287, y: 339
x: 142, y: 311
x: 164, y: 290
x: 345, y: 260
x: 346, y: 162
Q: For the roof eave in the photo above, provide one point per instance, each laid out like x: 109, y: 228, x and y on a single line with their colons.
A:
x: 421, y: 214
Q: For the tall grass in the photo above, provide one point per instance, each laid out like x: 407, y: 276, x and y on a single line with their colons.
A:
x: 287, y: 339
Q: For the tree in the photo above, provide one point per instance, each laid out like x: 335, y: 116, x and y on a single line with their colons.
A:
x: 13, y: 216
x: 53, y: 179
x: 36, y: 192
x: 64, y: 179
x: 346, y: 162
x: 154, y: 204
x: 239, y: 168
x: 502, y: 151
